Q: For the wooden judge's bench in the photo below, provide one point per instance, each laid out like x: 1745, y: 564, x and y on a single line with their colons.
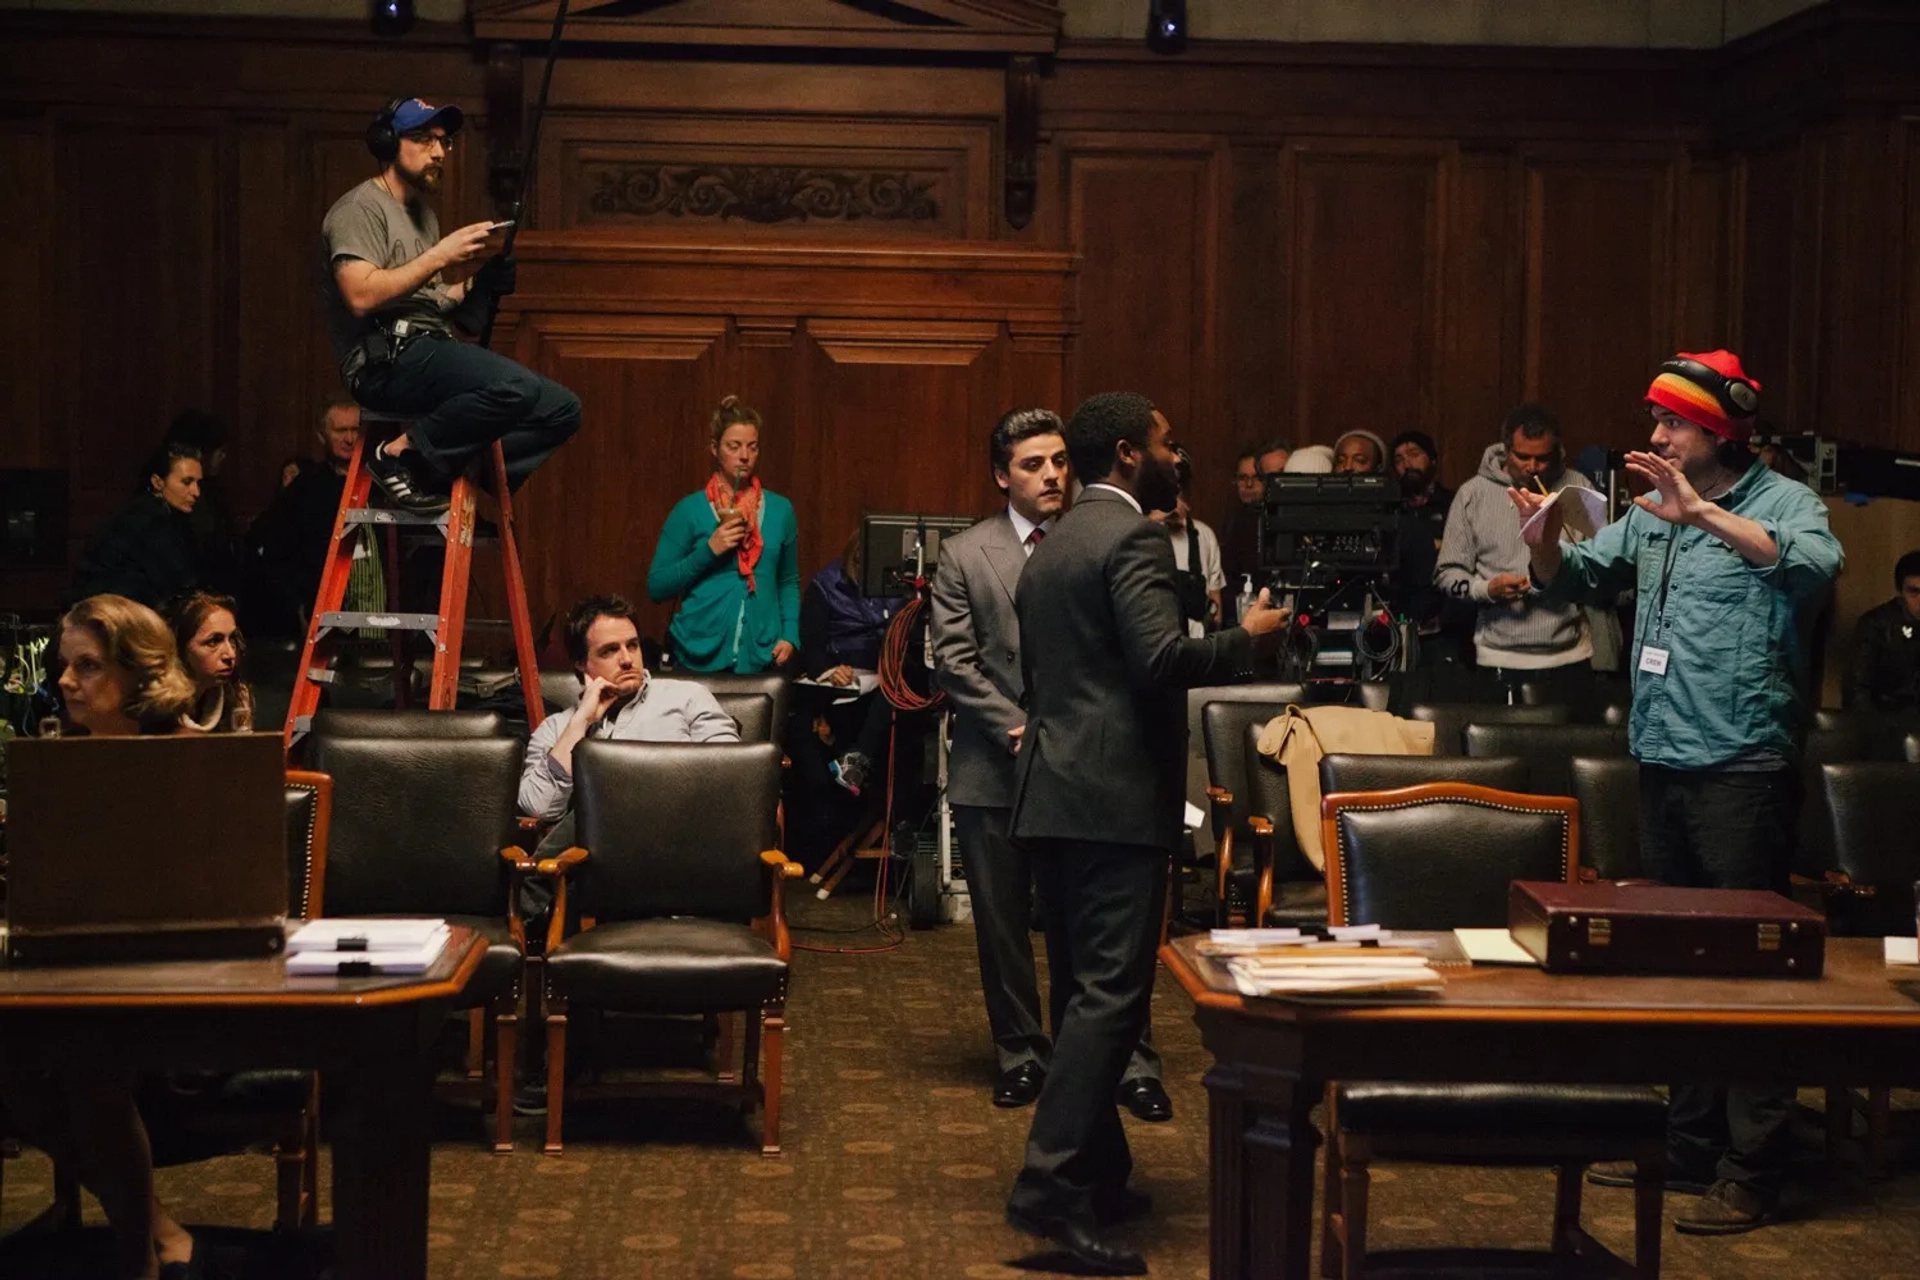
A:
x: 889, y: 359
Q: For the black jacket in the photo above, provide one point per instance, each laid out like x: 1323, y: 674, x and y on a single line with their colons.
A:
x: 289, y: 543
x: 1884, y: 673
x: 146, y: 553
x: 1106, y: 660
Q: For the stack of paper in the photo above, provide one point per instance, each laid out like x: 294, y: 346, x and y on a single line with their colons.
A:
x: 1351, y: 961
x: 352, y: 947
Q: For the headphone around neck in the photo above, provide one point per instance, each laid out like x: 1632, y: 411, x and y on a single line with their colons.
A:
x: 1738, y: 397
x: 382, y: 141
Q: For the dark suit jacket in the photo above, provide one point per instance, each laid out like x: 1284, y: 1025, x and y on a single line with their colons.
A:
x: 1107, y: 658
x: 976, y: 654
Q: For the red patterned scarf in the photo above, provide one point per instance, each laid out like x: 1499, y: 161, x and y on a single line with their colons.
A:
x: 721, y: 494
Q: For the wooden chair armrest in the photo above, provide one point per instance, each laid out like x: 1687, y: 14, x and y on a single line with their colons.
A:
x: 1223, y: 869
x: 1262, y: 829
x: 518, y: 859
x: 568, y: 859
x: 786, y: 866
x: 1220, y: 812
x: 531, y: 824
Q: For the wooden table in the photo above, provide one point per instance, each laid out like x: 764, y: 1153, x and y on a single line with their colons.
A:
x: 372, y: 1037
x: 1272, y: 1058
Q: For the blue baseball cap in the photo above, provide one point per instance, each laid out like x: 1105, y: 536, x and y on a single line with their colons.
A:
x: 415, y: 115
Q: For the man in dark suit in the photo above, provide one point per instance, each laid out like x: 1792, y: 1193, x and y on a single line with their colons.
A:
x: 976, y: 649
x: 1099, y: 791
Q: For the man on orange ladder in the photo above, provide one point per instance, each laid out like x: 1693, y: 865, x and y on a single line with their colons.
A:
x: 392, y: 316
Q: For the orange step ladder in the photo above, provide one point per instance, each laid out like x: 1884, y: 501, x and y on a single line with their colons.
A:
x: 445, y: 629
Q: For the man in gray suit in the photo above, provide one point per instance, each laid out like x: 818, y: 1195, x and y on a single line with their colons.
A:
x: 1099, y: 790
x: 976, y: 649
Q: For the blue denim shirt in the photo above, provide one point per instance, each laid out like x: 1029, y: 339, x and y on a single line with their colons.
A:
x: 1737, y: 636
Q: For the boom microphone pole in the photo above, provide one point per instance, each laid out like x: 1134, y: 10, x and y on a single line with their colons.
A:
x: 529, y: 157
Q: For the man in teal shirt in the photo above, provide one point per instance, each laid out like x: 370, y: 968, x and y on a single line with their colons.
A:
x: 1732, y: 563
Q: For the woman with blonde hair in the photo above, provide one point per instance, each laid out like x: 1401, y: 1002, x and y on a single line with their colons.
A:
x: 122, y: 677
x: 211, y: 648
x: 730, y: 554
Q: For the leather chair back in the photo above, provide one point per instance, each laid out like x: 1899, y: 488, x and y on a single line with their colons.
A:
x: 1608, y: 789
x: 776, y: 688
x: 1264, y: 791
x: 1343, y: 772
x: 410, y: 723
x: 1224, y: 728
x: 1911, y: 748
x: 1874, y: 809
x: 419, y: 824
x: 1548, y: 749
x: 752, y: 713
x: 1849, y: 738
x: 1450, y: 720
x: 309, y: 815
x: 1199, y: 773
x: 673, y: 829
x: 560, y: 690
x: 1441, y: 856
x: 1608, y: 700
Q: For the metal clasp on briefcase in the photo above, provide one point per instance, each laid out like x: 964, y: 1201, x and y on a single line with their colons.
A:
x: 1769, y: 938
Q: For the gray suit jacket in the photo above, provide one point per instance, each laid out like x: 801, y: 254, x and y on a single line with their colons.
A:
x: 1106, y: 660
x: 976, y: 654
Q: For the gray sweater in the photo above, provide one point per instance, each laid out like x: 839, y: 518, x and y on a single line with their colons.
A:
x: 1482, y: 541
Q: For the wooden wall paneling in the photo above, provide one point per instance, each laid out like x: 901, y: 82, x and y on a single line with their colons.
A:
x: 1767, y: 194
x: 1704, y: 250
x: 1600, y: 288
x: 592, y: 514
x: 1253, y: 395
x: 754, y: 174
x: 271, y: 313
x: 1907, y: 317
x: 135, y: 252
x: 1144, y: 213
x: 1857, y: 351
x: 1482, y: 294
x: 1365, y: 243
x: 24, y: 221
x: 898, y: 415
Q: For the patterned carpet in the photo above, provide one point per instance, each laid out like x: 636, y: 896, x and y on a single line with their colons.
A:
x: 896, y: 1166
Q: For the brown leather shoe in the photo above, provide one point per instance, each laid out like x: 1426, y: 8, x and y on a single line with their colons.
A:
x: 1619, y: 1173
x: 1726, y: 1210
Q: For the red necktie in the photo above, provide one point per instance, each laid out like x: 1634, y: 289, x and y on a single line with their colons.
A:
x: 1037, y: 537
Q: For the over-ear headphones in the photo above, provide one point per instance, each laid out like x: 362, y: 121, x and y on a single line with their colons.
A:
x: 1738, y: 397
x: 382, y: 141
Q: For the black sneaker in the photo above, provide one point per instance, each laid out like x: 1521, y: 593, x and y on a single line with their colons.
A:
x: 396, y: 481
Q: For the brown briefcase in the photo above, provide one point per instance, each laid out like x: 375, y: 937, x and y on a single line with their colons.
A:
x: 1611, y: 927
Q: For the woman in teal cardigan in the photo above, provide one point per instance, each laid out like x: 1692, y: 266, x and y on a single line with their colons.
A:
x: 729, y: 553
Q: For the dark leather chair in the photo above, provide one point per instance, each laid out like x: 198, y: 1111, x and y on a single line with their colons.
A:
x: 1850, y: 738
x: 1608, y: 789
x: 1224, y: 735
x: 1609, y: 700
x: 1874, y: 809
x: 309, y: 817
x: 753, y: 713
x: 1289, y: 891
x: 560, y: 690
x: 425, y: 827
x: 1199, y: 776
x: 409, y: 723
x: 1345, y: 772
x: 1910, y: 747
x: 1450, y: 720
x: 682, y: 905
x: 1441, y: 856
x: 1548, y: 749
x: 776, y: 688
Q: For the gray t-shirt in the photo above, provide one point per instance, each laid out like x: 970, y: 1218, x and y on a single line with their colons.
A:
x: 369, y: 224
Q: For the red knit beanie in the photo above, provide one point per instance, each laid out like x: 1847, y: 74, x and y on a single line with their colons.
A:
x: 1710, y: 390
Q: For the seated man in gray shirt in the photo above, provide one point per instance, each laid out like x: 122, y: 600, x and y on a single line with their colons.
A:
x: 618, y: 700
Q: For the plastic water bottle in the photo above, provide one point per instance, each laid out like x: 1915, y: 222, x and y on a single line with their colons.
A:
x: 1245, y: 599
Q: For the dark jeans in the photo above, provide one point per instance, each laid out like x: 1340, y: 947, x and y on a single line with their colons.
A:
x: 1501, y: 685
x: 1102, y: 903
x: 1000, y: 892
x: 464, y: 397
x: 1724, y: 829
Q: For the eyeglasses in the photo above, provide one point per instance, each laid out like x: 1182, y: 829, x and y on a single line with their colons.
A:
x: 425, y: 139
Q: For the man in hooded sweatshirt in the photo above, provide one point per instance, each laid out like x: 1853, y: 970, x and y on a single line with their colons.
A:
x: 1516, y: 636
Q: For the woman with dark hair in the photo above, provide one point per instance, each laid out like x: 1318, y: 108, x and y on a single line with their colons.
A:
x: 211, y: 648
x: 148, y: 552
x: 122, y: 677
x: 729, y: 553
